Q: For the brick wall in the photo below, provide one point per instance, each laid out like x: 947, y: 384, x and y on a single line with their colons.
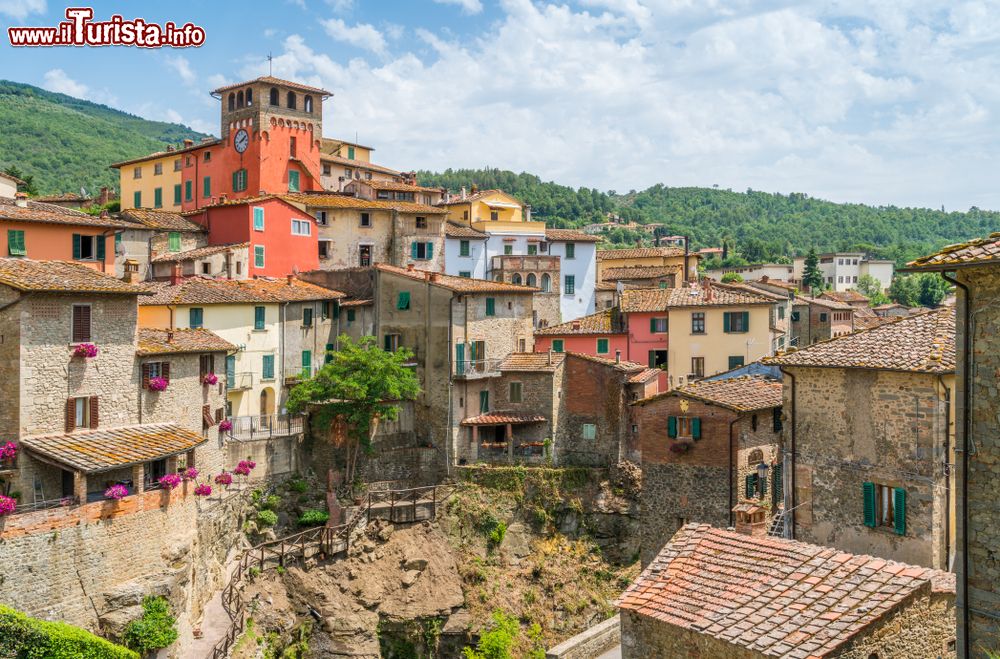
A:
x: 591, y: 393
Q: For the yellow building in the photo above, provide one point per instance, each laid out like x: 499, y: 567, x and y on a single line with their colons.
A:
x: 493, y: 211
x: 648, y: 257
x: 154, y: 181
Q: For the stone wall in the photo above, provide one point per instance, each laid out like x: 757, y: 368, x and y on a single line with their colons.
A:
x: 275, y: 457
x: 591, y: 393
x: 406, y: 232
x: 854, y: 426
x: 314, y: 338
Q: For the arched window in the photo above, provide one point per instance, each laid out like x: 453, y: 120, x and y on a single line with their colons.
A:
x: 546, y: 283
x: 274, y: 96
x: 498, y: 278
x: 290, y: 100
x: 531, y: 280
x: 249, y: 97
x: 239, y: 99
x: 755, y: 458
x: 307, y: 104
x: 232, y: 101
x: 515, y: 278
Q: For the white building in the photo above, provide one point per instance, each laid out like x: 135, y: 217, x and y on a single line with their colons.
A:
x: 843, y: 270
x: 779, y: 271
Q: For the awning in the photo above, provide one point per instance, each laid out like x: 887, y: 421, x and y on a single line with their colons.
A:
x: 502, y: 419
x: 103, y: 450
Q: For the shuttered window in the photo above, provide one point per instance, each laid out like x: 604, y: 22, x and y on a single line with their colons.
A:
x: 696, y: 428
x: 602, y: 346
x: 81, y: 323
x: 206, y: 187
x: 515, y: 392
x: 557, y: 345
x: 779, y: 486
x: 307, y: 358
x: 174, y: 241
x: 899, y: 510
x: 491, y: 306
x: 231, y: 371
x: 258, y: 318
x: 258, y: 218
x: 671, y: 426
x: 750, y: 486
x: 736, y: 322
x: 239, y: 180
x: 463, y: 248
x: 137, y: 199
x: 187, y: 190
x: 158, y: 198
x: 868, y: 496
x: 293, y: 180
x: 196, y: 316
x: 884, y: 506
x: 307, y: 317
x: 15, y: 242
x: 403, y: 300
x: 569, y: 285
x: 328, y: 355
x: 267, y: 367
x: 484, y: 401
x: 258, y: 256
x: 177, y: 194
x: 658, y: 325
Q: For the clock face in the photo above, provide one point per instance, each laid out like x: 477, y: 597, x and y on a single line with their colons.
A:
x: 242, y: 140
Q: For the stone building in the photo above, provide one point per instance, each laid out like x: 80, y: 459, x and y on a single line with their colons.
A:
x: 383, y: 190
x: 817, y: 319
x: 644, y: 276
x: 344, y: 162
x: 150, y: 234
x: 706, y: 447
x: 679, y: 260
x: 869, y: 440
x: 716, y: 593
x: 220, y: 261
x: 973, y: 268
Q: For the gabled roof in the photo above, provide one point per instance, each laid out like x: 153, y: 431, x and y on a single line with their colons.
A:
x: 569, y: 235
x: 357, y: 164
x: 822, y: 302
x: 640, y: 272
x: 773, y: 596
x: 844, y: 296
x: 199, y: 290
x: 923, y: 343
x: 502, y: 418
x: 198, y: 253
x: 454, y: 229
x: 595, y: 323
x: 163, y: 154
x: 476, y: 196
x: 640, y: 252
x: 11, y: 178
x: 746, y: 393
x: 623, y: 367
x: 61, y: 277
x: 660, y: 299
x: 456, y: 284
x: 36, y: 211
x: 532, y: 361
x: 397, y: 186
x: 981, y: 251
x: 271, y: 80
x: 179, y: 341
x: 334, y: 200
x: 160, y: 220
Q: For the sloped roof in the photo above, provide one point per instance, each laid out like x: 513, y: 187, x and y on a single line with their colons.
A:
x: 621, y: 366
x: 501, y: 418
x: 640, y: 272
x: 836, y: 305
x: 271, y: 80
x: 178, y: 341
x: 532, y: 361
x: 199, y: 290
x: 660, y: 299
x: 332, y: 200
x: 922, y: 343
x: 476, y: 196
x: 397, y: 186
x: 981, y: 251
x: 640, y: 253
x: 595, y: 323
x: 160, y: 220
x: 198, y: 252
x: 456, y: 284
x: 62, y: 196
x: 163, y: 154
x: 36, y: 211
x: 11, y: 178
x: 773, y: 596
x: 746, y: 393
x: 569, y: 235
x: 61, y: 277
x: 844, y: 296
x: 357, y: 164
x: 454, y: 229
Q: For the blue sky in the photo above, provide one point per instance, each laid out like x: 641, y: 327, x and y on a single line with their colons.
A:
x: 850, y: 100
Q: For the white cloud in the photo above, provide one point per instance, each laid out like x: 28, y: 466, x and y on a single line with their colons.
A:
x: 20, y: 9
x: 182, y: 67
x: 362, y: 35
x: 56, y: 80
x: 468, y: 6
x: 341, y: 6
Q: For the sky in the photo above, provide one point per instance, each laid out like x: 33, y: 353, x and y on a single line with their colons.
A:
x: 883, y: 102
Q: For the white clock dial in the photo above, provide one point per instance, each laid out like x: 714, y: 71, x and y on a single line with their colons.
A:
x: 241, y: 141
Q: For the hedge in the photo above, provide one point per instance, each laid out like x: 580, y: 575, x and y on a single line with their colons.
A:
x: 28, y: 638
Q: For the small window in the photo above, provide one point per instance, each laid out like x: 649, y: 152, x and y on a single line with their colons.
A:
x: 307, y: 104
x: 307, y: 357
x: 698, y: 322
x: 697, y: 367
x: 81, y: 412
x: 188, y: 190
x: 137, y: 199
x: 258, y: 218
x: 421, y: 222
x: 137, y: 172
x: 531, y: 280
x: 532, y: 250
x: 273, y: 100
x: 735, y: 361
x: 206, y: 365
x: 293, y: 180
x: 464, y: 248
x: 602, y: 346
x: 570, y: 250
x: 206, y: 186
x: 157, y: 169
x: 795, y: 316
x: 321, y: 218
x: 350, y: 153
x: 327, y: 169
x: 15, y: 242
x: 258, y: 256
x: 589, y: 431
x: 81, y: 323
x: 366, y: 219
x: 350, y: 315
x: 491, y: 306
x: 267, y: 367
x: 515, y: 392
x: 196, y: 317
x: 177, y: 194
x: 494, y: 216
x: 781, y: 312
x: 292, y: 146
x: 239, y: 180
x: 307, y: 317
x: 259, y: 317
x: 822, y: 317
x: 208, y: 156
x: 658, y: 325
x: 515, y: 278
x: 421, y: 251
x: 301, y: 228
x: 508, y: 250
x: 290, y: 100
x: 324, y: 249
x: 569, y: 285
x: 484, y: 401
x: 174, y: 241
x: 884, y: 506
x: 658, y: 359
x: 736, y: 321
x: 557, y: 345
x: 206, y: 268
x: 391, y: 342
x: 546, y: 283
x: 464, y: 273
x: 403, y: 300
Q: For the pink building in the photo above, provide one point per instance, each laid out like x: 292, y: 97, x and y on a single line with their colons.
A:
x: 599, y: 335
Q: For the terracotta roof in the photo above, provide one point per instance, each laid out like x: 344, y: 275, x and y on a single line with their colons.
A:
x: 645, y: 375
x: 198, y: 252
x: 332, y: 200
x: 596, y: 323
x: 866, y: 321
x: 357, y: 164
x: 62, y: 196
x: 395, y: 185
x: 532, y: 361
x: 356, y: 303
x: 822, y: 302
x: 36, y: 211
x: 457, y: 284
x: 271, y: 80
x: 500, y: 418
x: 101, y: 450
x: 165, y: 154
x: 773, y: 596
x: 844, y: 296
x: 61, y: 277
x: 570, y: 235
x: 981, y: 251
x: 624, y: 367
x: 198, y: 290
x: 777, y: 297
x: 787, y: 285
x: 179, y: 341
x: 889, y: 305
x: 605, y: 286
x: 473, y: 196
x: 640, y: 252
x: 454, y: 229
x: 640, y: 272
x: 924, y: 343
x: 661, y: 299
x: 160, y: 220
x: 746, y: 393
x: 330, y: 142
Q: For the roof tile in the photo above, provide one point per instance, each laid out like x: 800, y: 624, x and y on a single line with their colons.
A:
x: 198, y: 252
x: 35, y: 211
x: 199, y: 290
x: 332, y: 200
x: 639, y: 253
x: 457, y: 284
x: 708, y: 294
x: 160, y: 220
x: 499, y: 418
x: 596, y: 323
x: 178, y: 341
x: 981, y: 251
x: 61, y: 277
x: 745, y: 393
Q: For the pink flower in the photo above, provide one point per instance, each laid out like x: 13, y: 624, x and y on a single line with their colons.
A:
x: 9, y: 451
x: 7, y: 505
x: 190, y: 473
x: 170, y: 481
x: 85, y: 350
x: 210, y: 378
x: 157, y: 384
x: 203, y: 490
x: 225, y: 478
x: 116, y: 492
x: 225, y: 425
x: 244, y: 467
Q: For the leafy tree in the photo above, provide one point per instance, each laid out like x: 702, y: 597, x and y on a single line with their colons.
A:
x: 360, y: 383
x: 871, y: 288
x: 28, y: 186
x: 154, y: 630
x: 732, y: 277
x: 905, y: 290
x: 812, y: 277
x: 933, y: 289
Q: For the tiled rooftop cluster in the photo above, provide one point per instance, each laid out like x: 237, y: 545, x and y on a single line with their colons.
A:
x: 661, y: 299
x: 177, y: 341
x: 979, y: 251
x: 457, y: 284
x: 199, y: 290
x: 745, y: 393
x: 61, y: 276
x: 596, y: 323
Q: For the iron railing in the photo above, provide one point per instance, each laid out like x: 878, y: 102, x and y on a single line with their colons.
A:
x: 236, y: 381
x: 61, y: 502
x: 248, y: 428
x: 477, y: 368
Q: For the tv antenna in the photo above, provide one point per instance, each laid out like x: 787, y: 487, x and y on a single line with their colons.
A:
x: 269, y: 66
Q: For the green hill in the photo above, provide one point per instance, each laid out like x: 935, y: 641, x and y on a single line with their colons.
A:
x: 761, y: 226
x: 66, y: 143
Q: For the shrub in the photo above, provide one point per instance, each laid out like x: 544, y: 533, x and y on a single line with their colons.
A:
x: 314, y: 518
x: 498, y: 641
x: 272, y: 502
x: 154, y: 630
x: 267, y: 518
x: 496, y: 536
x: 28, y: 638
x: 298, y: 485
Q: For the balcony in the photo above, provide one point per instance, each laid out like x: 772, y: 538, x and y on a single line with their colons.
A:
x: 250, y: 428
x: 239, y: 381
x: 525, y: 263
x: 472, y: 369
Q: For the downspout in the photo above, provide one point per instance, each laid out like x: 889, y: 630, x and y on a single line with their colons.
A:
x: 790, y: 490
x: 283, y: 316
x: 732, y: 471
x: 451, y: 388
x: 963, y: 583
x: 947, y: 473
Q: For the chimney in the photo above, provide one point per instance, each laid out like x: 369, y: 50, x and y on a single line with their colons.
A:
x: 708, y: 289
x: 222, y: 197
x: 751, y: 519
x: 464, y: 194
x: 170, y: 147
x: 188, y: 142
x: 21, y: 199
x: 433, y: 276
x: 475, y: 188
x: 105, y: 196
x: 527, y: 213
x: 290, y: 279
x: 175, y: 274
x: 550, y: 355
x: 576, y: 325
x: 618, y: 356
x: 446, y: 196
x: 104, y: 214
x: 170, y: 336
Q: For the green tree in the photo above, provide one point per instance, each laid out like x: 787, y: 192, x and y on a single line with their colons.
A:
x: 871, y: 288
x: 154, y: 630
x: 812, y: 277
x: 360, y: 383
x: 498, y: 641
x: 933, y: 289
x: 732, y: 278
x: 28, y: 186
x: 905, y: 290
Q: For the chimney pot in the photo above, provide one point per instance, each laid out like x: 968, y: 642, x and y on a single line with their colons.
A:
x: 188, y: 142
x: 175, y: 274
x: 290, y: 279
x: 170, y: 336
x: 104, y: 214
x: 465, y: 195
x: 222, y: 198
x: 21, y: 199
x: 618, y: 356
x: 409, y: 266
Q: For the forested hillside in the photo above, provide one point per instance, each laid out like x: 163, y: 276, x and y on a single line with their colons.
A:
x: 66, y: 143
x: 761, y: 226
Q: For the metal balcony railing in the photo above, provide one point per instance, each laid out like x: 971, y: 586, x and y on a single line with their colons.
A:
x: 236, y: 381
x: 477, y: 368
x: 247, y: 428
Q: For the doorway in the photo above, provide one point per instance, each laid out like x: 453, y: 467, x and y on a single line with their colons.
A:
x: 365, y: 255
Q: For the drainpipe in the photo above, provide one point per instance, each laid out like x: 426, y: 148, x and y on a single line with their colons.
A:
x: 451, y: 388
x: 947, y: 474
x: 790, y: 490
x: 732, y: 471
x: 282, y: 318
x: 963, y: 513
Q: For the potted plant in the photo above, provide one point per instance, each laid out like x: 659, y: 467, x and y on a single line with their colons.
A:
x: 158, y: 384
x: 190, y: 474
x: 8, y: 452
x: 225, y: 425
x: 225, y: 479
x: 203, y: 490
x: 116, y: 492
x: 7, y: 505
x: 85, y: 350
x: 210, y: 379
x: 170, y: 481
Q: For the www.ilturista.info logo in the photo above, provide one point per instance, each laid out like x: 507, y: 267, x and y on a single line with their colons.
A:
x: 80, y: 30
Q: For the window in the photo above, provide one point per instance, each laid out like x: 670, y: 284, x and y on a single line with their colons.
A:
x: 324, y: 249
x: 206, y: 268
x: 291, y: 146
x: 259, y: 316
x: 307, y: 104
x: 88, y: 248
x: 158, y: 198
x: 403, y: 300
x: 290, y: 100
x: 697, y: 367
x: 781, y: 312
x: 258, y: 218
x: 546, y: 283
x: 239, y: 180
x: 307, y: 317
x: 684, y: 426
x: 206, y: 186
x: 491, y: 306
x: 83, y: 412
x: 515, y: 278
x: 137, y: 172
x: 350, y: 315
x: 522, y: 344
x: 293, y: 180
x: 884, y: 506
x: 301, y: 228
x: 157, y: 168
x: 15, y: 242
x: 602, y: 346
x: 735, y: 361
x: 508, y: 250
x: 557, y: 345
x: 515, y: 392
x: 391, y: 342
x: 350, y: 153
x: 698, y: 322
x: 273, y: 96
x: 658, y: 325
x: 187, y: 190
x: 795, y: 316
x: 307, y: 358
x: 137, y: 199
x: 463, y: 248
x: 206, y: 364
x: 267, y: 367
x: 249, y: 97
x: 230, y: 371
x: 174, y: 241
x: 177, y: 194
x: 421, y: 222
x: 569, y: 285
x: 321, y: 218
x: 196, y: 317
x: 589, y: 431
x: 531, y: 280
x: 465, y: 273
x: 366, y: 219
x: 328, y: 353
x: 776, y: 424
x: 532, y: 250
x: 658, y: 359
x: 152, y: 370
x: 327, y: 169
x: 736, y: 321
x: 258, y: 256
x: 571, y: 250
x: 232, y: 101
x: 421, y: 251
x: 81, y: 323
x: 822, y: 317
x: 494, y: 216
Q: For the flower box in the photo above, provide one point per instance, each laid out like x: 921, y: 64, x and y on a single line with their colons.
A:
x: 203, y: 490
x: 116, y: 492
x: 85, y: 350
x: 210, y: 379
x: 158, y: 384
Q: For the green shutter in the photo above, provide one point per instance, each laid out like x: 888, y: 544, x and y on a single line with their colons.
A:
x: 779, y: 485
x: 174, y: 239
x: 177, y: 194
x: 267, y: 367
x: 329, y: 354
x: 293, y: 181
x: 258, y: 317
x: 726, y: 324
x: 187, y: 190
x: 652, y: 325
x: 350, y: 153
x: 602, y: 346
x: 206, y: 187
x: 236, y: 181
x: 350, y: 315
x: 137, y: 199
x: 746, y: 321
x: 750, y: 487
x: 763, y: 486
x: 557, y: 345
x: 230, y: 371
x: 463, y: 248
x: 570, y: 250
x: 899, y: 510
x: 403, y: 300
x: 696, y: 427
x: 460, y: 358
x: 671, y: 426
x: 101, y: 249
x: 158, y: 198
x: 307, y: 358
x: 15, y: 242
x: 430, y: 251
x: 484, y: 401
x: 413, y: 249
x: 491, y: 306
x: 868, y: 491
x: 195, y: 317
